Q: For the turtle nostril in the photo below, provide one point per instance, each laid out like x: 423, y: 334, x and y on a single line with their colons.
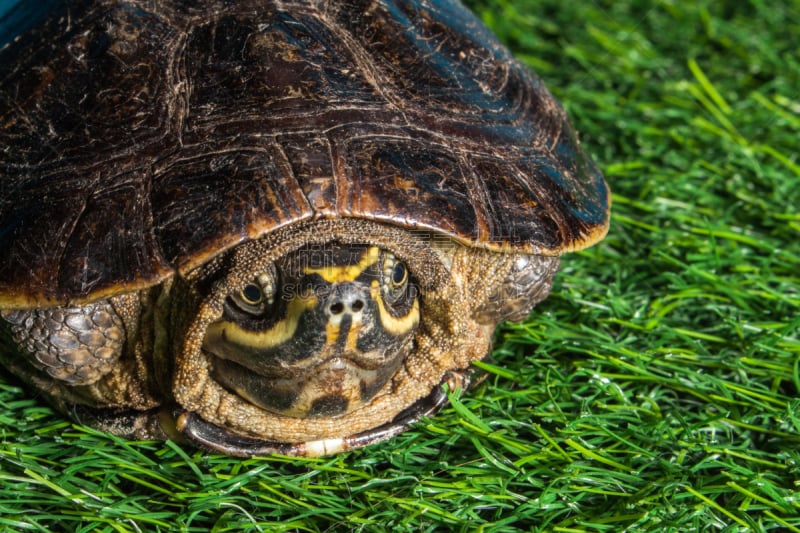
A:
x: 347, y: 298
x: 337, y: 308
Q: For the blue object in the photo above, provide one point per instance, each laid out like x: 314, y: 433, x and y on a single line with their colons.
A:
x: 18, y: 15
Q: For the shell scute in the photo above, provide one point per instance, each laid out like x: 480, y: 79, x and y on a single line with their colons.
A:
x: 275, y: 69
x: 111, y: 243
x: 436, y: 54
x: 392, y: 178
x: 218, y: 200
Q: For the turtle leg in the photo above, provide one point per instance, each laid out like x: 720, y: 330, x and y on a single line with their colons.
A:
x: 91, y: 362
x: 76, y: 345
x: 527, y: 283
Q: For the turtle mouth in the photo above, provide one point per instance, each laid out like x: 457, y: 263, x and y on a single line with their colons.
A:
x: 346, y: 361
x: 334, y: 386
x: 217, y: 438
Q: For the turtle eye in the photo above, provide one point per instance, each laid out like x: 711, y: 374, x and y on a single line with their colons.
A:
x: 399, y: 274
x: 255, y: 297
x: 395, y: 280
x: 251, y: 294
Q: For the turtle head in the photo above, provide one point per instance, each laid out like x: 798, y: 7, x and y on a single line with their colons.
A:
x: 318, y: 332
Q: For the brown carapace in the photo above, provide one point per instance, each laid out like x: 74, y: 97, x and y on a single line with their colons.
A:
x: 273, y: 227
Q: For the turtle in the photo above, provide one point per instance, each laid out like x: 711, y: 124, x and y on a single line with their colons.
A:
x: 271, y: 226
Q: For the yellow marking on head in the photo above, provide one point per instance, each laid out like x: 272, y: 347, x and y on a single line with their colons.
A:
x: 339, y: 274
x: 331, y: 332
x: 333, y: 329
x: 352, y: 336
x: 397, y: 326
x: 282, y: 331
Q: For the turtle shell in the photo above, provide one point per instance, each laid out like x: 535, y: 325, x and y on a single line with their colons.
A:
x: 140, y: 138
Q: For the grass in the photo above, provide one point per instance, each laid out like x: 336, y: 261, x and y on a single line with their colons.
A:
x: 655, y: 390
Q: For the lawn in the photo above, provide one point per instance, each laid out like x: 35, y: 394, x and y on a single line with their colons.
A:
x: 658, y: 387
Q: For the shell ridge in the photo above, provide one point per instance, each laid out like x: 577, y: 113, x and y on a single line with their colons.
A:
x: 342, y: 203
x: 485, y: 227
x: 367, y: 65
